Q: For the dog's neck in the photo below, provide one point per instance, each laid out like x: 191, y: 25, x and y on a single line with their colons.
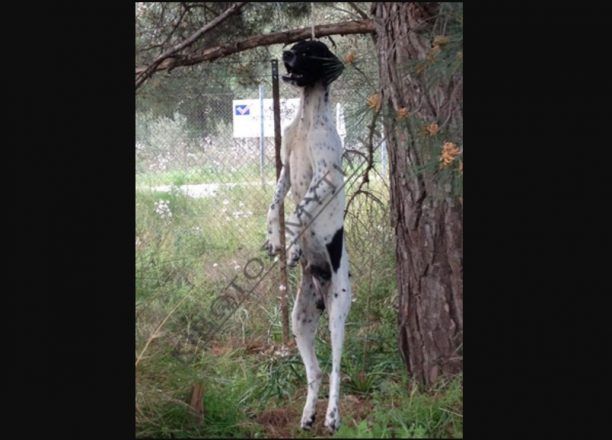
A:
x: 314, y: 105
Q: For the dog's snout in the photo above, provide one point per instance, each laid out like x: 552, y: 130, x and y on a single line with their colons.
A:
x: 288, y: 55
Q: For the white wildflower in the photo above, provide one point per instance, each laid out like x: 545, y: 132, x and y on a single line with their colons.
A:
x: 162, y: 208
x: 282, y: 352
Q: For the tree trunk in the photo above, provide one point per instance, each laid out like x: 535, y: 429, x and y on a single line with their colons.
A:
x: 427, y: 212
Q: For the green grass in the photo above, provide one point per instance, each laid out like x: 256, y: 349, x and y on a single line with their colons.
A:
x: 411, y: 414
x: 186, y: 260
x: 206, y: 174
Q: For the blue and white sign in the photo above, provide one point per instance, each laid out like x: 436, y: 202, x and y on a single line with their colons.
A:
x: 247, y: 111
x: 241, y: 109
x: 246, y: 117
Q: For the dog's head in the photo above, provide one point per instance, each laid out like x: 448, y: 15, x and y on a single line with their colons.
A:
x: 309, y: 62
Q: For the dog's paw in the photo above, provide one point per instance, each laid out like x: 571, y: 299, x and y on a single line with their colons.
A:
x: 273, y: 242
x: 272, y: 245
x: 294, y: 254
x: 307, y: 421
x: 332, y: 420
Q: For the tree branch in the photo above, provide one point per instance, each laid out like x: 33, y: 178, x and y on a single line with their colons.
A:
x: 175, y: 27
x: 145, y: 73
x: 213, y: 53
x: 370, y: 163
x: 363, y: 15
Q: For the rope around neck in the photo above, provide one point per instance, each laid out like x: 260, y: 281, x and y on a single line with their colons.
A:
x: 312, y: 26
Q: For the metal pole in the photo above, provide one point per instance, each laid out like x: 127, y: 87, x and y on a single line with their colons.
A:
x: 279, y: 165
x: 261, y: 135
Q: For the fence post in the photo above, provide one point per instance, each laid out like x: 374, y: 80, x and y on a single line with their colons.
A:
x: 261, y: 135
x: 283, y: 254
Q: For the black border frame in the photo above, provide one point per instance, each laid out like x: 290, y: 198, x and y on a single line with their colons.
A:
x: 528, y: 299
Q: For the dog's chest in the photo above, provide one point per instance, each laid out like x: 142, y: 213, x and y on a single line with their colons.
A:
x: 300, y: 164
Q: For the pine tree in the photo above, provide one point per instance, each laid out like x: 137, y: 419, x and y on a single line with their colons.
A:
x: 420, y: 63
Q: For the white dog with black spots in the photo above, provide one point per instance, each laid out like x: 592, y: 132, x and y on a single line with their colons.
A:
x: 312, y: 168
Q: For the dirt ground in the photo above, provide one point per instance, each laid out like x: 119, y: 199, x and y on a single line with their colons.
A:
x: 285, y: 422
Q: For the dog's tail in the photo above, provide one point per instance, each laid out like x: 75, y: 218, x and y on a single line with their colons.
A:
x: 320, y: 293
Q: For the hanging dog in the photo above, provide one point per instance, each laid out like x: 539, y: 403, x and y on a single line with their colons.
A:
x: 312, y: 168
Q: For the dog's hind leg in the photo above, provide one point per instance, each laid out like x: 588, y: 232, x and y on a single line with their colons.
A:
x: 339, y: 303
x: 305, y: 318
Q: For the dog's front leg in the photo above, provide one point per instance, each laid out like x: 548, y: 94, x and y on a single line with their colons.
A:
x: 273, y: 242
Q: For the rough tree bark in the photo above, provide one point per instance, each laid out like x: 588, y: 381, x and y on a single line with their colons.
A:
x: 427, y: 218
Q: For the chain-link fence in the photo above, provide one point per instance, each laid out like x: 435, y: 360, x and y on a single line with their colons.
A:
x: 201, y: 153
